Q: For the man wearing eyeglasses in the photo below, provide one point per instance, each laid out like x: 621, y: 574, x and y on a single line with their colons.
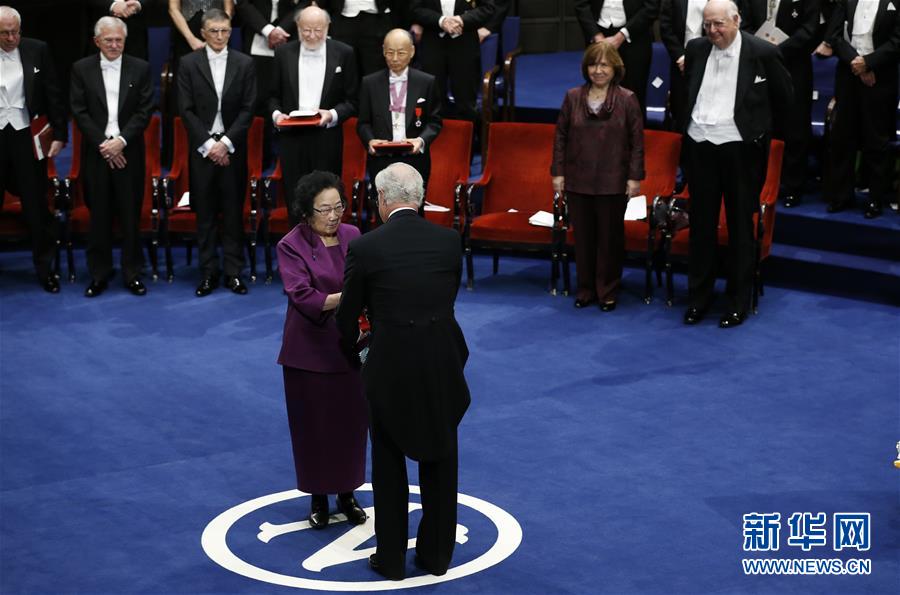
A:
x: 111, y: 99
x: 735, y: 82
x: 313, y: 76
x: 28, y: 90
x: 216, y: 92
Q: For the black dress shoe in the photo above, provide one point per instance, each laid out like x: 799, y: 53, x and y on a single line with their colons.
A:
x: 95, y: 288
x: 579, y: 303
x: 837, y: 207
x: 732, y: 319
x: 607, y: 306
x: 347, y: 504
x: 873, y: 209
x: 421, y: 565
x: 236, y: 285
x: 375, y: 565
x: 206, y: 287
x: 791, y: 200
x: 136, y: 287
x: 318, y: 512
x: 694, y: 315
x: 50, y: 284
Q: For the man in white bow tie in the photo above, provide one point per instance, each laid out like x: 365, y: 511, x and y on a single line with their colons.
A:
x: 28, y: 90
x: 399, y: 104
x: 111, y: 99
x: 735, y: 83
x: 314, y: 74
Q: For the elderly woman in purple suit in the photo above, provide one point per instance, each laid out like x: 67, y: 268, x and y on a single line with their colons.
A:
x: 325, y: 404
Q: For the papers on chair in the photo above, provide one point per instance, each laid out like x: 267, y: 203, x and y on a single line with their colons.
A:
x: 541, y: 219
x: 184, y: 203
x: 771, y: 33
x: 435, y: 208
x: 636, y: 209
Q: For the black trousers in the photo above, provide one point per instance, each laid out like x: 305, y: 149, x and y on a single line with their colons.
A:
x: 217, y: 189
x: 436, y: 535
x: 264, y: 66
x: 23, y: 175
x: 365, y: 34
x: 304, y: 150
x: 459, y: 60
x: 796, y: 120
x: 599, y: 244
x: 116, y: 192
x: 734, y: 172
x: 864, y: 120
x: 636, y: 57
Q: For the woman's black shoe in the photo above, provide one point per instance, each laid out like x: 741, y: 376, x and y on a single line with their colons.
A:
x: 608, y: 306
x: 347, y: 504
x: 584, y: 303
x: 318, y: 511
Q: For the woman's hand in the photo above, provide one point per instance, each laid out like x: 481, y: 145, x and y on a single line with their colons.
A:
x: 559, y: 184
x: 632, y: 188
x: 331, y: 302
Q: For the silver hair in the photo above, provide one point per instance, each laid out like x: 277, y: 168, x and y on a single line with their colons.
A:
x: 401, y: 183
x: 110, y: 23
x: 300, y: 11
x: 731, y: 9
x: 7, y: 12
x: 214, y: 14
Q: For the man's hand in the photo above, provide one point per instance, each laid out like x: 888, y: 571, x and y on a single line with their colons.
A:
x: 858, y: 65
x: 117, y: 162
x: 373, y: 145
x: 680, y: 64
x: 616, y: 40
x: 483, y: 34
x: 119, y: 9
x: 277, y: 36
x: 597, y: 37
x: 326, y: 117
x: 280, y: 118
x: 111, y: 148
x: 559, y: 183
x: 416, y: 30
x: 134, y: 7
x: 632, y: 188
x: 195, y: 43
x: 452, y: 25
x: 824, y: 50
x: 218, y: 154
x: 55, y: 147
x: 868, y: 78
x: 417, y: 143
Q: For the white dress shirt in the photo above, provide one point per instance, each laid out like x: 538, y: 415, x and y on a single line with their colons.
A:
x: 260, y: 44
x: 352, y: 8
x: 217, y: 64
x: 396, y: 88
x: 693, y: 26
x: 12, y: 91
x: 112, y: 77
x: 612, y: 14
x: 713, y: 116
x: 863, y: 23
x: 311, y: 77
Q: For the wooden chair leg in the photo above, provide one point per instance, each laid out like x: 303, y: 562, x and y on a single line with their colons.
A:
x: 470, y: 269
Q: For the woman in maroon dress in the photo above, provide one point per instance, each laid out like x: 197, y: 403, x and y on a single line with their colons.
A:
x: 324, y: 394
x: 598, y: 161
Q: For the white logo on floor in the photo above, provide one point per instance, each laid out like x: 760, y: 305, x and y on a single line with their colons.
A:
x: 343, y: 549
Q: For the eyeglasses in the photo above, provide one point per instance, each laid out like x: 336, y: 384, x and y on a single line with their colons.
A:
x: 337, y: 210
x: 112, y: 40
x: 396, y: 54
x: 316, y: 32
x: 219, y: 31
x: 708, y: 25
x: 10, y: 34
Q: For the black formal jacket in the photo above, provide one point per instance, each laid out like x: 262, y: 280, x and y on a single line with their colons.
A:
x: 339, y: 91
x: 798, y: 19
x: 198, y: 102
x: 672, y: 26
x: 406, y: 274
x: 374, y: 108
x: 885, y: 37
x: 428, y: 13
x: 639, y: 17
x: 253, y: 15
x: 42, y: 94
x: 136, y: 44
x: 763, y: 85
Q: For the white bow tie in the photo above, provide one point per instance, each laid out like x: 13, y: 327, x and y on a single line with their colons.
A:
x: 218, y: 57
x: 107, y: 65
x: 6, y: 56
x: 397, y: 79
x: 312, y: 54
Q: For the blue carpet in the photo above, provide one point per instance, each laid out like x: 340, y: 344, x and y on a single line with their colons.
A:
x: 626, y: 445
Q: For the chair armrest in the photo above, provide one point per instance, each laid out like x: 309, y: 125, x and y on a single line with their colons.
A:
x: 509, y: 75
x: 469, y: 208
x: 487, y: 104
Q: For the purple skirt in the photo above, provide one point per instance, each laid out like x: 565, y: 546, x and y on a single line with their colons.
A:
x: 328, y: 418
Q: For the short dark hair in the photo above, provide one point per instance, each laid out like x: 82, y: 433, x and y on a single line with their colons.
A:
x: 603, y: 50
x: 309, y: 187
x: 214, y: 14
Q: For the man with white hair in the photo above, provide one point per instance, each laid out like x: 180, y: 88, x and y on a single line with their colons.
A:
x: 735, y: 82
x: 111, y: 101
x: 312, y: 75
x: 28, y: 90
x: 405, y: 275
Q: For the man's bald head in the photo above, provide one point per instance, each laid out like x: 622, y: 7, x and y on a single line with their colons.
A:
x: 398, y: 49
x: 312, y: 23
x: 722, y: 21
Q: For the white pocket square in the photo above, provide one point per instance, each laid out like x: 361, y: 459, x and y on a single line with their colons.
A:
x: 337, y: 70
x: 420, y: 100
x: 890, y: 6
x: 759, y: 79
x: 36, y: 70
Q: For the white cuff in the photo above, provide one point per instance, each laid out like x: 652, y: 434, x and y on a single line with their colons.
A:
x: 205, y: 147
x: 275, y: 115
x: 267, y: 29
x: 122, y: 138
x: 624, y: 31
x: 228, y: 143
x: 334, y: 119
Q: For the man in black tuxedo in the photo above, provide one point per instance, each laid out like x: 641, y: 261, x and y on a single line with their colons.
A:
x: 799, y: 21
x: 865, y: 37
x: 132, y: 13
x: 28, y: 90
x: 361, y: 24
x: 406, y: 274
x: 399, y: 104
x: 679, y: 22
x: 736, y: 82
x: 111, y: 100
x: 450, y: 47
x: 628, y: 26
x: 216, y: 91
x: 329, y: 85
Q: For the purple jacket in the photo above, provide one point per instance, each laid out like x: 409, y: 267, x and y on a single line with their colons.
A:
x: 310, y: 271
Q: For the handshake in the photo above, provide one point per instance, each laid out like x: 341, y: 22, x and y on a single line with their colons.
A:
x: 452, y: 25
x: 125, y: 8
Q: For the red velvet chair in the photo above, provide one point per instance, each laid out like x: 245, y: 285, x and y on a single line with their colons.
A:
x: 275, y: 220
x: 676, y: 237
x: 13, y: 227
x: 451, y: 158
x: 516, y: 176
x: 79, y: 217
x: 661, y: 155
x: 182, y: 221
